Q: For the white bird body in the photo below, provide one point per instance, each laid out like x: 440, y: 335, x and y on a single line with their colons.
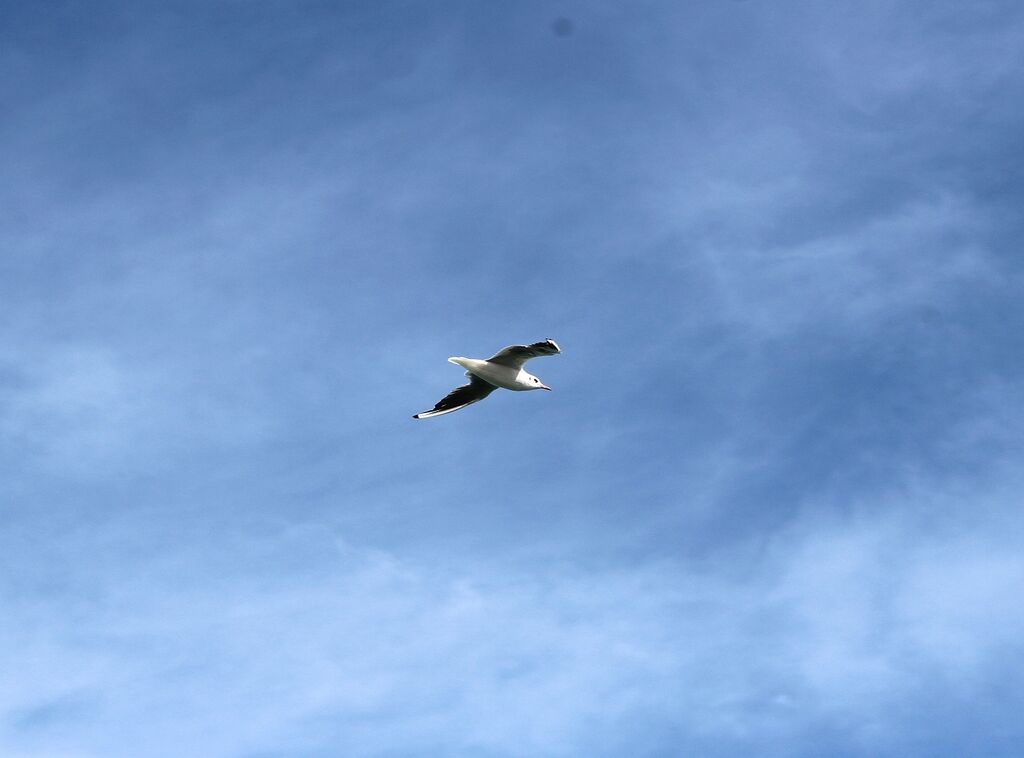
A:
x: 504, y: 369
x: 505, y: 377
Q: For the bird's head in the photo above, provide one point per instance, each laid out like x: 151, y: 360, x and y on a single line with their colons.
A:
x: 535, y: 383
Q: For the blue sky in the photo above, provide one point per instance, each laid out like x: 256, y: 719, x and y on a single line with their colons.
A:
x: 773, y: 506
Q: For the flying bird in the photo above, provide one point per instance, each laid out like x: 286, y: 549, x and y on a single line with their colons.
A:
x: 503, y: 369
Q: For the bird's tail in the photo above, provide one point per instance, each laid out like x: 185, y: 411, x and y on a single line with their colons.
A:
x: 459, y: 361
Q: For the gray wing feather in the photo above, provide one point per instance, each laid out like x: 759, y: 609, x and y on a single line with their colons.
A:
x: 515, y: 356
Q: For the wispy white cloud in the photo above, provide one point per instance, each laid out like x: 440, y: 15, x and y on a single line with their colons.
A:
x: 835, y: 621
x: 86, y: 411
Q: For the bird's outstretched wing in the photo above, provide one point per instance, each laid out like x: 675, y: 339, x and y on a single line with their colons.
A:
x: 460, y: 397
x: 515, y: 356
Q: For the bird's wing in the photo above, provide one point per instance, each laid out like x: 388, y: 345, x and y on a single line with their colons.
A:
x: 515, y: 356
x: 460, y: 397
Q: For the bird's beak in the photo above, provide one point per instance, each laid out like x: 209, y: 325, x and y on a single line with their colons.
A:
x: 545, y: 387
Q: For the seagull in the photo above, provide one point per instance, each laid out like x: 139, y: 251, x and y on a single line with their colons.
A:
x: 503, y: 369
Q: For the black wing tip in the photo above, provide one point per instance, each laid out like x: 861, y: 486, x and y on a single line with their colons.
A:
x: 439, y: 412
